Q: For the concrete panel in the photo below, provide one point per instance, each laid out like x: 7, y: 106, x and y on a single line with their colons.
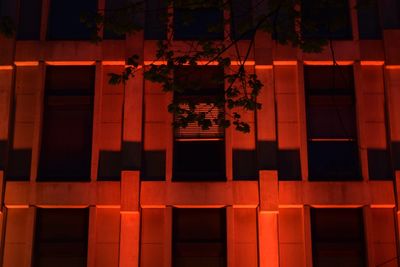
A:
x: 111, y: 108
x: 152, y: 255
x: 375, y: 134
x: 372, y: 79
x: 28, y: 80
x: 245, y: 226
x: 383, y: 226
x: 112, y: 88
x: 152, y: 226
x: 70, y: 50
x: 245, y: 255
x: 291, y: 225
x: 291, y: 255
x: 155, y: 108
x: 375, y: 107
x: 25, y: 107
x: 287, y: 107
x: 288, y: 135
x: 107, y: 255
x: 110, y: 136
x: 107, y: 225
x: 23, y: 135
x: 16, y: 226
x: 15, y: 255
x: 385, y: 255
x: 153, y: 140
x: 393, y: 82
x: 285, y: 79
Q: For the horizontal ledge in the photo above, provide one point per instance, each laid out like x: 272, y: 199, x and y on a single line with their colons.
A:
x: 26, y: 63
x: 71, y: 63
x: 328, y: 62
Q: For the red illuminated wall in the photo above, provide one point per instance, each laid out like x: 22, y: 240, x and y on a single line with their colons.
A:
x: 130, y: 219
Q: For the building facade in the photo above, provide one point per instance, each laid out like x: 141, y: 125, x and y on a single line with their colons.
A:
x: 93, y: 174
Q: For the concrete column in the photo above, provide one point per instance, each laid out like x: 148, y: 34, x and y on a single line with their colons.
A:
x: 2, y: 215
x: 230, y: 232
x: 360, y: 111
x: 266, y: 120
x: 287, y: 108
x: 98, y: 85
x: 130, y: 220
x: 6, y: 85
x: 19, y: 234
x: 307, y: 236
x: 268, y: 240
x: 291, y: 237
x: 132, y: 121
x: 91, y: 254
x: 369, y: 236
x: 392, y: 78
x: 38, y: 121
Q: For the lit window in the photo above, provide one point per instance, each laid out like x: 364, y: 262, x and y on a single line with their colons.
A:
x: 337, y: 237
x: 200, y: 154
x: 66, y: 142
x: 331, y: 122
x: 199, y: 237
x: 61, y: 238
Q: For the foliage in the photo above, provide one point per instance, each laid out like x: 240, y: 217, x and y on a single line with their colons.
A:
x: 280, y: 18
x: 242, y: 85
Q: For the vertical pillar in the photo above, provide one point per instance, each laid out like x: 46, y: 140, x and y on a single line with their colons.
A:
x: 132, y: 122
x: 19, y: 236
x: 266, y: 120
x: 168, y: 237
x: 96, y: 120
x: 6, y: 85
x: 287, y: 108
x: 2, y: 215
x: 268, y: 239
x: 302, y: 122
x: 369, y: 238
x: 397, y: 209
x: 307, y: 236
x: 38, y: 121
x: 360, y: 111
x: 230, y: 232
x: 130, y: 220
x: 91, y: 256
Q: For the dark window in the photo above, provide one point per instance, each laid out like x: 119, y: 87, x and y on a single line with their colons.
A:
x: 199, y: 237
x: 61, y: 238
x: 242, y: 21
x: 369, y: 25
x: 155, y: 20
x: 326, y: 19
x: 65, y: 19
x: 30, y: 12
x: 390, y: 13
x: 331, y: 122
x: 193, y: 22
x: 337, y: 237
x: 8, y: 14
x: 282, y: 21
x: 113, y: 8
x: 67, y: 124
x: 199, y: 155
